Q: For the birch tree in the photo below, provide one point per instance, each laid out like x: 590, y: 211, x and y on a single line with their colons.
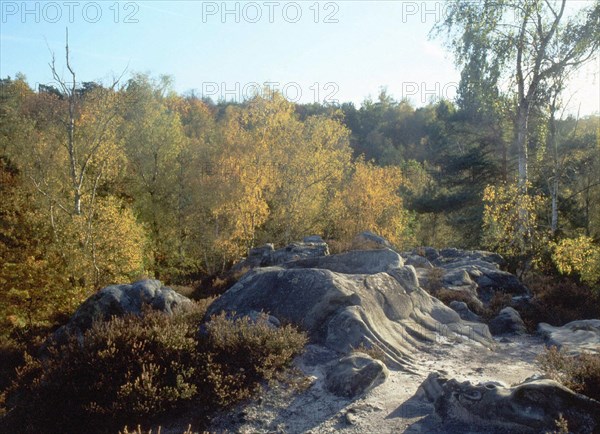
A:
x: 526, y: 43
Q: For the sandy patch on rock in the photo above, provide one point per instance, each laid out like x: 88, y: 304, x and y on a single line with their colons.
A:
x: 389, y: 408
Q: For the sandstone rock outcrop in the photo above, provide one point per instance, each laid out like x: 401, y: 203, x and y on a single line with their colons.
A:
x: 120, y: 300
x: 353, y: 262
x: 264, y: 256
x: 464, y: 312
x: 473, y: 272
x: 530, y: 407
x: 368, y: 240
x: 575, y: 337
x: 351, y: 299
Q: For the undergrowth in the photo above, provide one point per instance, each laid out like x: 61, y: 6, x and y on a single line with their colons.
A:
x: 133, y: 370
x: 559, y: 300
x: 580, y: 373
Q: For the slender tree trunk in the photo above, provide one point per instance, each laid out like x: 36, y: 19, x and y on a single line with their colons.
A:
x: 71, y: 148
x: 587, y: 207
x: 554, y: 193
x: 523, y: 229
x: 556, y: 169
x: 71, y: 134
x: 521, y: 142
x: 77, y: 207
x: 504, y: 162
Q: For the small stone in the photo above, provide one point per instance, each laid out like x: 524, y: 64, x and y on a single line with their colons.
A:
x: 354, y: 375
x: 508, y: 321
x: 351, y: 417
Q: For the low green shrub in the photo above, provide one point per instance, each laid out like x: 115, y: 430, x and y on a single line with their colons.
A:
x: 13, y: 346
x: 579, y: 373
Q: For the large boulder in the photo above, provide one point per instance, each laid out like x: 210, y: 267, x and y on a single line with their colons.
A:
x: 353, y: 262
x: 508, y: 321
x: 266, y: 255
x: 529, y: 407
x: 368, y: 240
x: 493, y: 281
x: 464, y: 312
x: 457, y: 277
x: 418, y: 261
x: 575, y: 337
x: 120, y: 300
x: 355, y: 298
x: 354, y: 375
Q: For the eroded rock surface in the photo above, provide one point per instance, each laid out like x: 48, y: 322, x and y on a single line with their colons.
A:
x: 464, y: 312
x: 354, y: 375
x: 529, y: 407
x: 575, y: 337
x: 473, y: 272
x: 359, y: 297
x: 418, y: 261
x: 264, y: 256
x: 374, y: 297
x: 368, y: 240
x: 353, y: 262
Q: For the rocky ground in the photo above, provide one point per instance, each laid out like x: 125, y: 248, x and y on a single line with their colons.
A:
x: 394, y: 406
x: 430, y: 368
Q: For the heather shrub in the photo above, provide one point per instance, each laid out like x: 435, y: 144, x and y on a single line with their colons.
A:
x: 579, y: 373
x: 138, y: 430
x: 238, y: 353
x: 123, y: 370
x: 11, y: 356
x: 134, y: 370
x: 558, y: 301
x: 499, y: 301
x: 447, y: 296
x: 372, y: 350
x: 434, y: 280
x: 13, y: 346
x: 339, y: 246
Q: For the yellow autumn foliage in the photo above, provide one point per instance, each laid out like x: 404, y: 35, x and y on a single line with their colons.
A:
x: 510, y: 224
x: 47, y: 272
x: 369, y: 201
x: 104, y: 247
x: 270, y: 180
x: 578, y: 256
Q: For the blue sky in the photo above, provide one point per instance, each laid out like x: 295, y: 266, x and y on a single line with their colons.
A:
x: 344, y: 50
